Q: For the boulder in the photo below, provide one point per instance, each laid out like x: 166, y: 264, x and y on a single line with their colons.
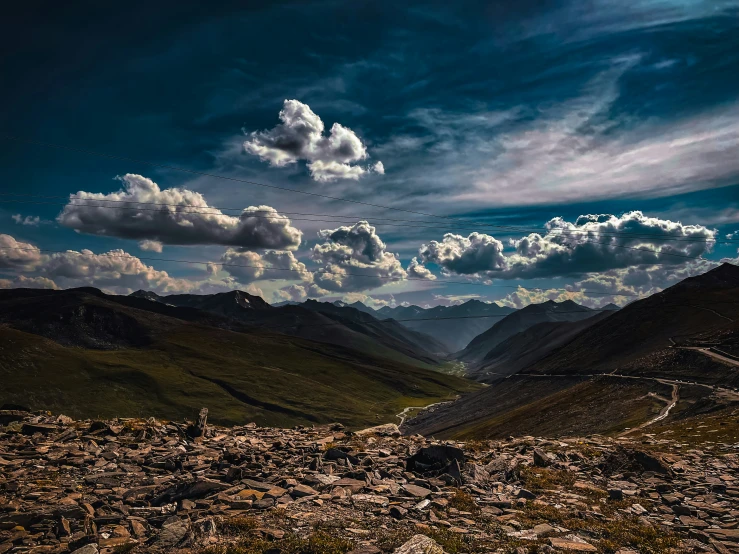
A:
x: 420, y: 544
x: 437, y: 460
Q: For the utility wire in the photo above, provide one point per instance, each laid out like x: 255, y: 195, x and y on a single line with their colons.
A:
x: 11, y: 137
x: 342, y: 273
x: 183, y: 209
x: 319, y: 271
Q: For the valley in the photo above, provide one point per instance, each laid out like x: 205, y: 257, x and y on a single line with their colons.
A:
x: 608, y: 431
x: 546, y: 368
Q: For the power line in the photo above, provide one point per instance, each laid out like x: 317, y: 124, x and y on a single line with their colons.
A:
x: 319, y: 271
x: 184, y: 209
x: 8, y: 136
x: 389, y: 319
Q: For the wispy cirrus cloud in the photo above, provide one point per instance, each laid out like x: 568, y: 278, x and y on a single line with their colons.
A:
x: 581, y: 148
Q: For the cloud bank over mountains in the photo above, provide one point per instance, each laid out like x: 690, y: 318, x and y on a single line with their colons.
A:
x: 612, y: 258
x: 354, y: 258
x: 593, y: 243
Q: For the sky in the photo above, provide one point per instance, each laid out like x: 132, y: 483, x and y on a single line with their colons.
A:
x: 391, y: 153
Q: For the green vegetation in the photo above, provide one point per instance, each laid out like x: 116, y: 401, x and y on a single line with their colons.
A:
x: 609, y: 533
x: 267, y: 378
x: 320, y: 541
x: 463, y: 502
x: 541, y: 478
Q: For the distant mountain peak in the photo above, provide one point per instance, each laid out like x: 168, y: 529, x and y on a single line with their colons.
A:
x: 146, y: 294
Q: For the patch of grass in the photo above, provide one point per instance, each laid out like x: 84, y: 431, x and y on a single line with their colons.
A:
x: 239, y: 525
x: 463, y: 502
x: 476, y: 445
x: 633, y: 533
x: 610, y: 533
x: 542, y: 478
x: 319, y: 541
x: 453, y: 543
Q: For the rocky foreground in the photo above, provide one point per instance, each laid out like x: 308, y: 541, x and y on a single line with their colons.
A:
x: 148, y: 486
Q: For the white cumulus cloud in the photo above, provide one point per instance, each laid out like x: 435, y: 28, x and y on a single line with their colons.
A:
x: 174, y: 216
x: 29, y: 220
x: 301, y: 136
x: 593, y: 243
x: 151, y: 245
x: 249, y: 266
x: 354, y: 258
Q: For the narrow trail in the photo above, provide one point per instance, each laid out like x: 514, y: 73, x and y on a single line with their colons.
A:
x: 664, y: 412
x: 663, y: 380
x: 708, y: 352
x: 722, y: 316
x: 404, y: 414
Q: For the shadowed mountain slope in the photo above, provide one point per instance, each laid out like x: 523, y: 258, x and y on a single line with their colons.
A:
x: 524, y: 348
x: 521, y: 320
x: 702, y: 305
x: 89, y: 354
x: 474, y: 318
x: 678, y: 344
x: 388, y: 331
x: 317, y: 321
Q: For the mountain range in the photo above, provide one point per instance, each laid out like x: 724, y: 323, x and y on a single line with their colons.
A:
x: 316, y: 321
x: 552, y: 368
x: 451, y: 326
x: 462, y: 324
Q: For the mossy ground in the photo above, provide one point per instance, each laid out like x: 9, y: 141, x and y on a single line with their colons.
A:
x: 267, y: 378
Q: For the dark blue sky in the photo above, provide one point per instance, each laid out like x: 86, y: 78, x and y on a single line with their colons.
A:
x: 499, y: 113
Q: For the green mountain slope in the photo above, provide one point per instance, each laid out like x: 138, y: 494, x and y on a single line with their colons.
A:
x: 176, y: 366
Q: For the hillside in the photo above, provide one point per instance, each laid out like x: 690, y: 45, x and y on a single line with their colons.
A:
x: 674, y: 349
x: 387, y: 331
x: 704, y: 306
x: 311, y: 490
x: 94, y: 355
x: 519, y: 321
x: 524, y: 348
x: 230, y: 304
x: 474, y: 318
x: 342, y: 326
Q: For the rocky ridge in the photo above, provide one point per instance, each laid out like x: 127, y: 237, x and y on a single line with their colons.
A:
x: 148, y: 486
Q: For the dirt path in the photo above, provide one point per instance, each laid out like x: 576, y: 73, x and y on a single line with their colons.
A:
x: 664, y: 412
x: 722, y: 316
x: 404, y: 414
x: 711, y: 353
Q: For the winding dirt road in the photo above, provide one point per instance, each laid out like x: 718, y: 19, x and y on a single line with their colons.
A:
x: 664, y: 412
x: 404, y: 414
x: 708, y: 352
